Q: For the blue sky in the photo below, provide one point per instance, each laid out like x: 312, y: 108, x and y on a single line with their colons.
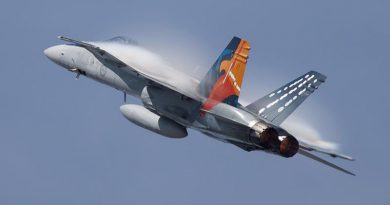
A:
x: 64, y: 141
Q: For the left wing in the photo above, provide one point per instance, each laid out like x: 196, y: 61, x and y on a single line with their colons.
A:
x: 108, y: 57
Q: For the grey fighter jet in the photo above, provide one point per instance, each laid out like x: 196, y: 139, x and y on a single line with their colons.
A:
x: 173, y: 101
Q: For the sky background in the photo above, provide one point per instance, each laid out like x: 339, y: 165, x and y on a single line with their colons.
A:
x: 64, y: 141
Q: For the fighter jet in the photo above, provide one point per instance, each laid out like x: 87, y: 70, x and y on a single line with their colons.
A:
x: 173, y: 101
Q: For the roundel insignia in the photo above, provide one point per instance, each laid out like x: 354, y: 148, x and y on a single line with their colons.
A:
x: 103, y: 70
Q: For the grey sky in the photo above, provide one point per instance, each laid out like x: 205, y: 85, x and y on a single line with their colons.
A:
x: 64, y: 141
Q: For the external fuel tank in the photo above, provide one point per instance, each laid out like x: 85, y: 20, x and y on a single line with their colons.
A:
x: 147, y: 119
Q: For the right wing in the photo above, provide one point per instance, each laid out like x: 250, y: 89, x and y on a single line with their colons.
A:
x: 305, y: 150
x: 312, y: 156
x: 279, y: 104
x: 334, y: 154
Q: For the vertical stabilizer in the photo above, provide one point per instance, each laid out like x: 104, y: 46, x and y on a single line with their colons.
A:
x: 280, y: 103
x: 223, y: 81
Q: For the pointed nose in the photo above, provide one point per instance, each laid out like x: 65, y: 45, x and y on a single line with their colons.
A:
x: 53, y: 53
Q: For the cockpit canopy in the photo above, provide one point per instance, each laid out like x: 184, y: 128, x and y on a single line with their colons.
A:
x: 122, y: 40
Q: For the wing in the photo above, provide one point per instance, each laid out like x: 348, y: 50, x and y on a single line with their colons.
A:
x: 312, y: 156
x: 279, y: 104
x: 108, y: 57
x: 310, y: 148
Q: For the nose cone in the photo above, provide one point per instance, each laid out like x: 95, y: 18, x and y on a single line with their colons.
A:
x: 53, y: 53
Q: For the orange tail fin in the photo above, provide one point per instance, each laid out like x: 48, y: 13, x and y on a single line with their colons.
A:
x: 223, y: 81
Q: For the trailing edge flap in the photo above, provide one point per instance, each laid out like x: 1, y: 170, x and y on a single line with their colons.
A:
x: 101, y: 53
x: 279, y: 104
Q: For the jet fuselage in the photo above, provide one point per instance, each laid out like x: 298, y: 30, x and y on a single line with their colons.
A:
x: 173, y: 101
x: 179, y: 108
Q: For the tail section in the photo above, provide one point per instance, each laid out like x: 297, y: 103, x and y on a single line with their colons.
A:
x: 279, y: 104
x: 223, y: 81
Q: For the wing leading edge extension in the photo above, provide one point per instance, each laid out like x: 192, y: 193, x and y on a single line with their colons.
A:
x: 108, y: 57
x: 95, y: 50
